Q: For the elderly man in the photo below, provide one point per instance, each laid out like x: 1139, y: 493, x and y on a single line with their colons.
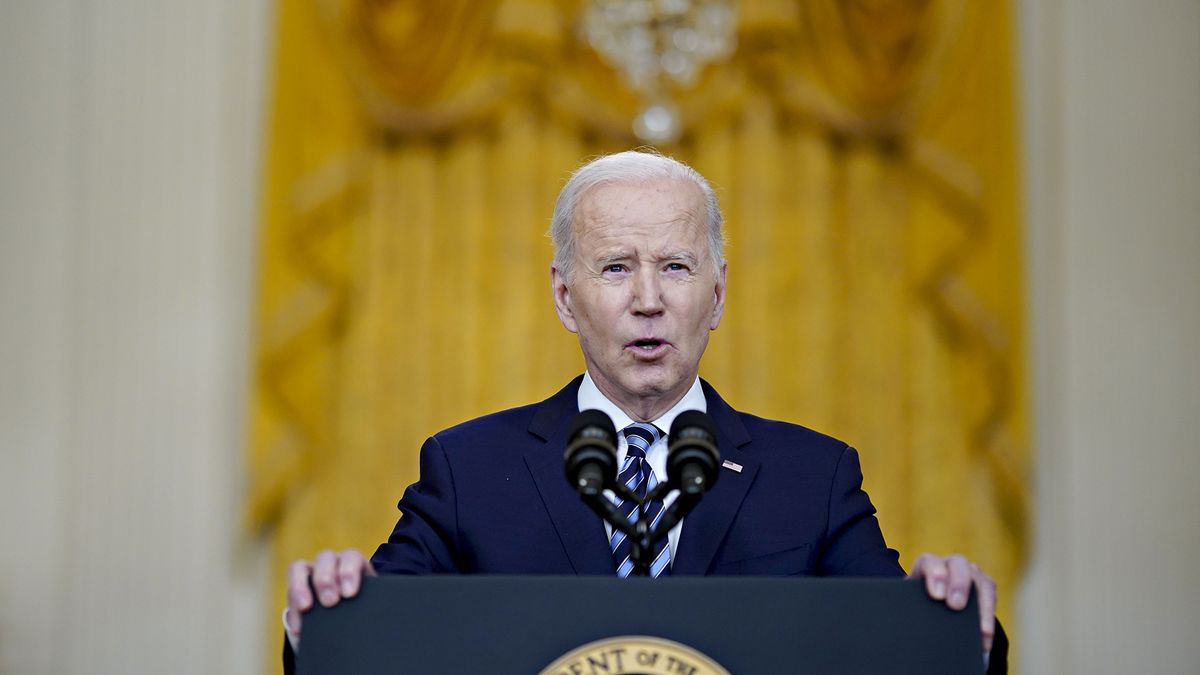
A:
x: 639, y: 276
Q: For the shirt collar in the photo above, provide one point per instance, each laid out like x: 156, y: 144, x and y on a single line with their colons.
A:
x: 590, y: 397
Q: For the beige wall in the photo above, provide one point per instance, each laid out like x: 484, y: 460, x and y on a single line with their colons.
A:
x: 129, y: 139
x: 1112, y: 110
x: 129, y: 144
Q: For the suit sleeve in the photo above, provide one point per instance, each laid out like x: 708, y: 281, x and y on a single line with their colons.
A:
x: 425, y: 540
x: 853, y: 544
x: 855, y: 547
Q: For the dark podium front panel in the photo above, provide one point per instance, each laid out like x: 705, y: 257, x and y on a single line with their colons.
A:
x: 522, y: 625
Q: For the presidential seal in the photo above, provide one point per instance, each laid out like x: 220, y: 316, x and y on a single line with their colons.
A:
x: 634, y: 655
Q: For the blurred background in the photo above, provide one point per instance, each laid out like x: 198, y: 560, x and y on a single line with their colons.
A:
x: 253, y: 252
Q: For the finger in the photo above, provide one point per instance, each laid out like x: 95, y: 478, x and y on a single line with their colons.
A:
x: 933, y: 569
x: 958, y: 586
x: 918, y: 568
x: 299, y: 596
x: 324, y: 578
x: 351, y: 567
x: 985, y: 590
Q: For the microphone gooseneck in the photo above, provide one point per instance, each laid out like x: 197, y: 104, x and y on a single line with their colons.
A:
x: 693, y: 464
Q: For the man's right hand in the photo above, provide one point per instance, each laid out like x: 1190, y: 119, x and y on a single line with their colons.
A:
x: 334, y: 576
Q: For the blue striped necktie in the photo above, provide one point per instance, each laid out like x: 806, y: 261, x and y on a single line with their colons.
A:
x: 639, y: 477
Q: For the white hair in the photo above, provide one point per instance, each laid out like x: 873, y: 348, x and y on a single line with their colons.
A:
x: 635, y: 167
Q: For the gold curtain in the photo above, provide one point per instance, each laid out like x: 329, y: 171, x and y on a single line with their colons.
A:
x: 864, y: 151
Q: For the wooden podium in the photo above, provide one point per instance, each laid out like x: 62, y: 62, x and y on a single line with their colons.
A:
x: 600, y: 625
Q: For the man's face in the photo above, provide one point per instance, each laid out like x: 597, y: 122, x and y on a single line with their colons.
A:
x: 645, y: 291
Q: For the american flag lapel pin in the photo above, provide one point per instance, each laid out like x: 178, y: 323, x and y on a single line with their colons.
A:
x: 732, y: 466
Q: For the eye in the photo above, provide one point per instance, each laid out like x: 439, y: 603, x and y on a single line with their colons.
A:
x: 676, y: 267
x: 614, y: 268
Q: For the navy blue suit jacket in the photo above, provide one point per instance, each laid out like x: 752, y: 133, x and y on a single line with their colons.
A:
x: 492, y: 498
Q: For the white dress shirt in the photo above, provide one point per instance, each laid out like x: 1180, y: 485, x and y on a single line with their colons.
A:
x: 591, y: 398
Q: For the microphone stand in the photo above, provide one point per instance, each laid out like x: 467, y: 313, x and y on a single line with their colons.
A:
x: 641, y: 537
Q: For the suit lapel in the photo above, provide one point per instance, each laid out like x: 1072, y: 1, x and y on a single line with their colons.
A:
x: 579, y: 529
x: 705, y: 527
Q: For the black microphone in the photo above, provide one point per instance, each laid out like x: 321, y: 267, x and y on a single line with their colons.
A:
x: 591, y: 456
x: 693, y: 460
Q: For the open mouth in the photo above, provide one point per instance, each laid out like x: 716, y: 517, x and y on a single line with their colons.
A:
x: 647, y: 346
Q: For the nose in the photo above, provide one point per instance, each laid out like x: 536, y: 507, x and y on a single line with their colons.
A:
x: 647, y: 292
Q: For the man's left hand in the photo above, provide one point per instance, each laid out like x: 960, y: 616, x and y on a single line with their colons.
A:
x: 949, y: 578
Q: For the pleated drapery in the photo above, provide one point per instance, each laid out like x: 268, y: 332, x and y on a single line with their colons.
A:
x: 865, y: 155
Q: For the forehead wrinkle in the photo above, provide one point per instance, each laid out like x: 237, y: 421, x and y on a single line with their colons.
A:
x: 688, y: 204
x: 616, y: 229
x: 604, y: 229
x: 613, y: 224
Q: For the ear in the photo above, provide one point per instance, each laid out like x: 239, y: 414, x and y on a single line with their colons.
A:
x: 719, y: 298
x: 562, y: 300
